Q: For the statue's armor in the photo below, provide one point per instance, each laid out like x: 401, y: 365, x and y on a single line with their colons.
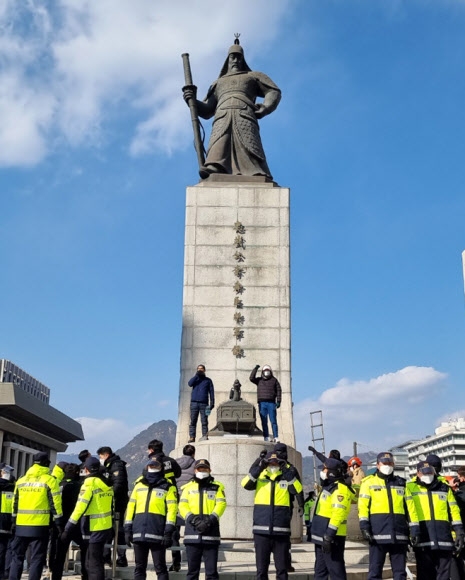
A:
x: 235, y: 142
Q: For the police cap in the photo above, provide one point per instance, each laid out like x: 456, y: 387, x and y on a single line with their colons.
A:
x: 426, y: 468
x: 92, y: 464
x: 41, y: 458
x: 202, y: 463
x: 385, y: 457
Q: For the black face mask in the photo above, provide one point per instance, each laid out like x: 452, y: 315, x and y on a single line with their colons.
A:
x: 201, y: 373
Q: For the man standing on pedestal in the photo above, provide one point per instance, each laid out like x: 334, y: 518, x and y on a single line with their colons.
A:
x: 269, y: 399
x: 203, y: 396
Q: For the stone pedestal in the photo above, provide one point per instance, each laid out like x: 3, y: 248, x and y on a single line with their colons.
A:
x: 230, y: 458
x: 236, y: 314
x: 236, y: 301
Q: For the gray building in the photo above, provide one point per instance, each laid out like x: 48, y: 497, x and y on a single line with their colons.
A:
x: 28, y: 423
x: 448, y: 443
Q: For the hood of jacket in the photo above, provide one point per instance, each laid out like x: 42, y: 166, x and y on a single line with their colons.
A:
x: 185, y: 461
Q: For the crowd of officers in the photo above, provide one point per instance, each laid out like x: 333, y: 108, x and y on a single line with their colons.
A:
x: 425, y: 513
x: 89, y: 504
x: 44, y: 511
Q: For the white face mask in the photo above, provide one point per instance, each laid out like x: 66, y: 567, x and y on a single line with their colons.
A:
x: 267, y: 373
x: 102, y: 461
x: 273, y: 468
x: 202, y: 474
x: 386, y: 469
x: 6, y: 475
x: 153, y: 470
x: 323, y: 475
x: 427, y: 479
x: 82, y: 473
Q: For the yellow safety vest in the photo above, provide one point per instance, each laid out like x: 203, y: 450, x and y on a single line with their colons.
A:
x: 385, y: 511
x: 331, y: 511
x: 95, y: 503
x: 272, y: 501
x: 36, y: 497
x: 206, y: 498
x: 437, y: 512
x: 151, y: 509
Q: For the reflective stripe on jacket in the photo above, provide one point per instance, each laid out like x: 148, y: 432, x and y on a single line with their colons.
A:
x: 37, y: 497
x: 204, y: 498
x: 94, y: 506
x: 438, y: 513
x: 331, y: 511
x: 385, y: 511
x: 151, y: 510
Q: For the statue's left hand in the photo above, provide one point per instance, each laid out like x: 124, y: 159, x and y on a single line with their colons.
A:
x: 260, y: 111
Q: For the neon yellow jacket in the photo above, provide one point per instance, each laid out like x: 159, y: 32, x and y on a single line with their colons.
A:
x: 331, y: 511
x: 95, y: 506
x: 151, y: 510
x: 202, y: 498
x: 37, y: 498
x: 438, y: 513
x: 385, y: 511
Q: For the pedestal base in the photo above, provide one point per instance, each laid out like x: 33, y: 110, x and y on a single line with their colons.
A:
x: 230, y: 457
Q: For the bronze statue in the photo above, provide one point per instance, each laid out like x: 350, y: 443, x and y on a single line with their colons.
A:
x: 235, y: 392
x: 235, y: 146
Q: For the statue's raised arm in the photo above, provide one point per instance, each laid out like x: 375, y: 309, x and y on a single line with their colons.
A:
x: 235, y: 145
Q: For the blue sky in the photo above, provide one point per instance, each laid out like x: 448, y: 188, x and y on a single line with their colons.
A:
x: 96, y: 153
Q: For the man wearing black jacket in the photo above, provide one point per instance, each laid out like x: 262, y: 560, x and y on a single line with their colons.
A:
x: 70, y: 488
x: 114, y: 470
x: 269, y: 399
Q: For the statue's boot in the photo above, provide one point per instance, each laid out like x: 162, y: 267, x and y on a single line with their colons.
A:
x: 206, y: 170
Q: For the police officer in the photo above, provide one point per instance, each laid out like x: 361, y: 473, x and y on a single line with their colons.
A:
x: 114, y: 469
x: 70, y: 489
x: 171, y: 467
x: 7, y: 487
x: 274, y: 487
x: 94, y: 510
x: 291, y: 473
x: 329, y: 523
x: 202, y: 504
x: 384, y: 515
x: 36, y: 498
x: 150, y: 520
x: 438, y: 514
x: 308, y: 505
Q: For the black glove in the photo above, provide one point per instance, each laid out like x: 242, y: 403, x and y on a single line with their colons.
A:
x: 312, y: 449
x: 59, y: 525
x: 327, y: 541
x: 278, y: 404
x: 368, y: 536
x: 459, y: 543
x: 414, y: 541
x: 300, y: 511
x: 257, y: 366
x: 64, y: 536
x: 263, y: 454
x: 195, y: 520
x: 128, y: 538
x: 167, y: 540
x: 204, y: 525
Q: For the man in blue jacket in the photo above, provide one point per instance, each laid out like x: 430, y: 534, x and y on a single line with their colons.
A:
x: 203, y: 396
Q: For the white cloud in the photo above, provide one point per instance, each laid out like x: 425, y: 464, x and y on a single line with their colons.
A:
x: 377, y: 413
x: 109, y: 432
x: 75, y: 63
